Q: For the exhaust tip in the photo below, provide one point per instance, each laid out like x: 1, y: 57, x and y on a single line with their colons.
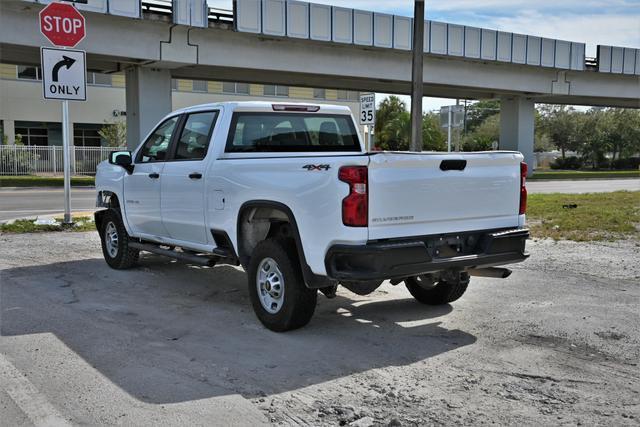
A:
x: 495, y: 272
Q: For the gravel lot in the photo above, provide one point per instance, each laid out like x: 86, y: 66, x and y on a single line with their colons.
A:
x: 556, y: 343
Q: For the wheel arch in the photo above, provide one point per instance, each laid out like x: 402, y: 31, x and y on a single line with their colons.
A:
x: 106, y: 199
x: 280, y: 212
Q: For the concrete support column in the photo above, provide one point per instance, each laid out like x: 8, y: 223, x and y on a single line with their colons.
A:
x: 148, y: 96
x: 517, y: 118
x: 9, y: 129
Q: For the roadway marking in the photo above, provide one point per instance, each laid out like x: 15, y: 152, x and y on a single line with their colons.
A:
x: 34, y: 405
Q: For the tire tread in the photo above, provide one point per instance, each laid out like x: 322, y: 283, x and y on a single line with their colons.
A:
x: 127, y: 257
x: 442, y: 293
x: 300, y: 301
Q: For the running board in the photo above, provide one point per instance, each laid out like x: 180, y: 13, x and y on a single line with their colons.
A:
x: 182, y: 256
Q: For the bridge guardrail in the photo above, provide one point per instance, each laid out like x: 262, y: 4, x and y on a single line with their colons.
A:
x: 343, y: 25
x: 194, y: 13
x: 618, y: 60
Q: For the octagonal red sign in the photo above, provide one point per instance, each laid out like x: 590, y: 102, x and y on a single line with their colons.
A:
x: 62, y: 24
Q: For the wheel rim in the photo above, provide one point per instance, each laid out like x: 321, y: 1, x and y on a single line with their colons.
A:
x: 270, y: 285
x: 111, y: 239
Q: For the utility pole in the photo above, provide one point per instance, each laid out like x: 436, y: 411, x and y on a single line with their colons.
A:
x: 416, y: 76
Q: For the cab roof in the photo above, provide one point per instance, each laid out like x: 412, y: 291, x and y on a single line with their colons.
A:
x: 263, y: 106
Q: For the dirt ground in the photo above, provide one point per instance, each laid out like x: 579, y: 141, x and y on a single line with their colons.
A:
x: 556, y: 343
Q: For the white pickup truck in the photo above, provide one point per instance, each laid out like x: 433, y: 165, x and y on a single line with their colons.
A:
x: 289, y: 192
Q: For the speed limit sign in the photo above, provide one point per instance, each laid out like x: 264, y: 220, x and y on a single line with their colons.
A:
x: 368, y: 109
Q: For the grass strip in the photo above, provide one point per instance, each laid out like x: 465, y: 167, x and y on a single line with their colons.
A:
x: 585, y: 217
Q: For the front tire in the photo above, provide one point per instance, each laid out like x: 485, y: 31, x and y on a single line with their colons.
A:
x: 115, y: 242
x: 442, y: 292
x: 280, y: 298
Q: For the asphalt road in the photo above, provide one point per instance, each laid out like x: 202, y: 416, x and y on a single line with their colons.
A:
x: 20, y: 203
x: 557, y: 343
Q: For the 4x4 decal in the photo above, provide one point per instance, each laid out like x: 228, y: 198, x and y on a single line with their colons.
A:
x: 316, y: 167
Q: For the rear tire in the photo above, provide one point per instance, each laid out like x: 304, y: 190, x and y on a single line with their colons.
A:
x: 440, y: 293
x: 115, y: 242
x: 280, y: 298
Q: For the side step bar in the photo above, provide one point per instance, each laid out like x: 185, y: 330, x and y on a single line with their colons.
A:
x: 182, y: 256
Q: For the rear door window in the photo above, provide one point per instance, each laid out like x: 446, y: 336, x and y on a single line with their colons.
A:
x: 291, y: 132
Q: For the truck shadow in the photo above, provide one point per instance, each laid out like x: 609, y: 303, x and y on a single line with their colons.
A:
x: 166, y: 332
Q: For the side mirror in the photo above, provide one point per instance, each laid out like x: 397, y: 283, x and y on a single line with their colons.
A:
x: 122, y: 159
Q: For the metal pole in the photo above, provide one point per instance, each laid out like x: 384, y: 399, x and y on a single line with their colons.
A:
x: 66, y: 162
x: 367, y: 129
x: 416, y: 76
x: 449, y: 128
x: 372, y: 141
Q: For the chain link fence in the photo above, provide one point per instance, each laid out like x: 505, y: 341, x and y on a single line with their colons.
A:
x: 48, y: 160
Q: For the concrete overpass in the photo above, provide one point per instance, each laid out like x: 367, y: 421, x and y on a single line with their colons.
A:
x: 256, y: 43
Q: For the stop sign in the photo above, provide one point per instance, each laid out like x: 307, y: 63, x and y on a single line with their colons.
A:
x: 62, y: 24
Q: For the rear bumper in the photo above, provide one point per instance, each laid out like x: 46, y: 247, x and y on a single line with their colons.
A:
x: 414, y: 256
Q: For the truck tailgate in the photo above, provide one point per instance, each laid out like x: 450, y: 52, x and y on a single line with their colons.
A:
x: 410, y: 195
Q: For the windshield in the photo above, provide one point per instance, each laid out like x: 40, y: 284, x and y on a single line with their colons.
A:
x: 291, y: 132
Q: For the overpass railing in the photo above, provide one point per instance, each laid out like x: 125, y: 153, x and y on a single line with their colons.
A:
x: 48, y: 160
x: 302, y: 20
x: 618, y: 60
x: 195, y: 13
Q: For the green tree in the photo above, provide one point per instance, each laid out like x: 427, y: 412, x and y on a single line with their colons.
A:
x: 622, y: 127
x: 389, y: 109
x: 559, y: 122
x: 592, y: 134
x: 115, y: 134
x: 480, y: 111
x: 483, y: 137
x: 395, y: 132
x: 433, y: 138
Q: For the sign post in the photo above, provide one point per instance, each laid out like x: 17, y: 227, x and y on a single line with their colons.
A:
x: 63, y: 74
x: 451, y: 116
x: 368, y: 114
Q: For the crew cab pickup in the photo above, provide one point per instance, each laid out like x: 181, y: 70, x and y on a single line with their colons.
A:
x: 289, y: 192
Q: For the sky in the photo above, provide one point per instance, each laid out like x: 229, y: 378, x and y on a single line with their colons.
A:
x: 605, y: 22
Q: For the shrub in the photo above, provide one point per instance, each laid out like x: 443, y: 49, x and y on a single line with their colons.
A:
x: 571, y: 162
x: 628, y: 163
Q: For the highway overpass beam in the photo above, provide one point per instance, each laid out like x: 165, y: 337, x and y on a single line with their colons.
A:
x: 148, y: 100
x: 517, y: 117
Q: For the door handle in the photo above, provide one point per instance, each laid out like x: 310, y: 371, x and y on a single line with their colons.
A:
x: 154, y: 175
x: 195, y: 175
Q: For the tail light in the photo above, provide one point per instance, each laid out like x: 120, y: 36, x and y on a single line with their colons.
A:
x: 355, y: 207
x: 523, y: 188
